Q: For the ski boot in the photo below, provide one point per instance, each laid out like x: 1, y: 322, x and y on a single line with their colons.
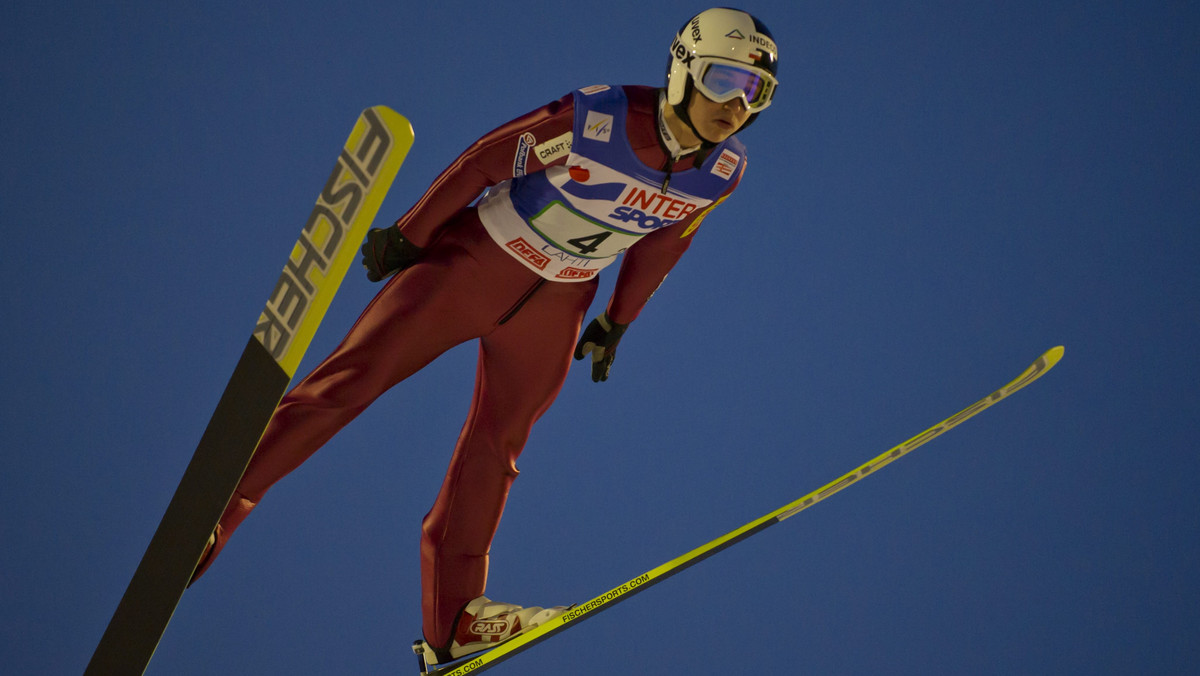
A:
x: 482, y: 625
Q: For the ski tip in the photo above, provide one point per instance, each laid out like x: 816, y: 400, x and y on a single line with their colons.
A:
x: 1053, y: 355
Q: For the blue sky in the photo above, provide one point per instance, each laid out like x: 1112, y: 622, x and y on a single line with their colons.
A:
x: 940, y: 192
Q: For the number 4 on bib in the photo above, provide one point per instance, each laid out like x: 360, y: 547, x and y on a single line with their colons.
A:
x: 589, y: 243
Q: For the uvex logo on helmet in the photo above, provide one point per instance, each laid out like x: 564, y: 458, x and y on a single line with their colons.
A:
x: 682, y: 53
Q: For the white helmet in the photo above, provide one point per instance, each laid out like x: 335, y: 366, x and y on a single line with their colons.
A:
x: 726, y: 54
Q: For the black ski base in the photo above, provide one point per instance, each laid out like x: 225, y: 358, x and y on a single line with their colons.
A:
x: 225, y: 449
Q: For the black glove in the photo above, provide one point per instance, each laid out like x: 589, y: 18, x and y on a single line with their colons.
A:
x: 600, y: 339
x: 386, y: 252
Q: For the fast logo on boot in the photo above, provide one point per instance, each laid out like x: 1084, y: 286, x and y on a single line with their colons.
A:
x: 491, y: 627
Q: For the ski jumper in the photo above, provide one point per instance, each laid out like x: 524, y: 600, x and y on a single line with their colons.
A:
x: 569, y: 187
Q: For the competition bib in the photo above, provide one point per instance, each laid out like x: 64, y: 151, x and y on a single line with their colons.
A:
x: 568, y: 222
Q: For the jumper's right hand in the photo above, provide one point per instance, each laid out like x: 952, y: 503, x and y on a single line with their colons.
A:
x: 387, y: 252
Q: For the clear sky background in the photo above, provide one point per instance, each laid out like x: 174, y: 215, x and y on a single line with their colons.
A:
x: 941, y: 192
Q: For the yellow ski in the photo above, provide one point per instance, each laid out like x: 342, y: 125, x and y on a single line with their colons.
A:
x: 623, y: 591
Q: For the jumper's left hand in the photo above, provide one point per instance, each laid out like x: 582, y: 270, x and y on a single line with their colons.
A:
x: 600, y: 340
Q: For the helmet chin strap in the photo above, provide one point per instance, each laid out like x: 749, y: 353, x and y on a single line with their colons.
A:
x: 681, y: 111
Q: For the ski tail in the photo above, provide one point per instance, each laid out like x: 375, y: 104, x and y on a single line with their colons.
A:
x: 318, y: 261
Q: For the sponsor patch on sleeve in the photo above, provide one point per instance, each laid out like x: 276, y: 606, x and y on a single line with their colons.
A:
x: 726, y: 164
x: 553, y: 149
x: 521, y: 160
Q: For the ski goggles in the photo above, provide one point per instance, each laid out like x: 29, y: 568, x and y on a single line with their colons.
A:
x: 723, y: 81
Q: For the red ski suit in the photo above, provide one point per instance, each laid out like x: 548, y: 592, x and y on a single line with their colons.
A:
x: 467, y: 287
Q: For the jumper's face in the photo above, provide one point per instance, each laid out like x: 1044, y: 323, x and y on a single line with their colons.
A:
x: 716, y: 121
